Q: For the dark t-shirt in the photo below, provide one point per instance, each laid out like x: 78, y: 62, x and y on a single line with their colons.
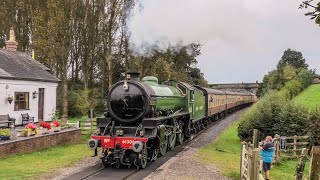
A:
x: 267, y: 146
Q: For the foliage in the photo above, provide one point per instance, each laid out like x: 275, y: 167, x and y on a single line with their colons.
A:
x: 174, y: 63
x: 315, y: 13
x: 292, y: 58
x: 4, y: 132
x: 292, y: 89
x: 264, y: 116
x: 78, y: 103
x: 273, y: 114
x: 291, y: 75
x: 315, y: 127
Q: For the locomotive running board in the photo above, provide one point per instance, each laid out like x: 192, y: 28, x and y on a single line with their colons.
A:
x: 154, y: 121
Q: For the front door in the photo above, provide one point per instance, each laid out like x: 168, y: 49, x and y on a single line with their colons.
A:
x: 41, y: 104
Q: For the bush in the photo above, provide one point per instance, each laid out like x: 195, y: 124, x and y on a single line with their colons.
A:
x: 264, y: 116
x: 315, y: 127
x: 273, y: 114
x: 78, y: 104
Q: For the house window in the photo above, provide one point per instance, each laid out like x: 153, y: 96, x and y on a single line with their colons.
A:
x: 21, y: 101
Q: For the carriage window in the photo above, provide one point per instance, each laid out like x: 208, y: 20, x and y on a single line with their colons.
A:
x: 182, y: 89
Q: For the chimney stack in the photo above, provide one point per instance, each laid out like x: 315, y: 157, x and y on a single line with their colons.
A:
x: 12, y: 44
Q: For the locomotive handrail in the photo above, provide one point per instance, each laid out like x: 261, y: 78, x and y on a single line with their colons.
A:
x: 166, y: 117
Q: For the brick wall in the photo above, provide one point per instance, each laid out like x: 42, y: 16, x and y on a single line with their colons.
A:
x: 36, y: 143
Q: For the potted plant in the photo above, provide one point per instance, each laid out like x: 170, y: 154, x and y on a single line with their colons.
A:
x: 55, y: 126
x: 4, y: 134
x: 30, y: 129
x: 44, y: 128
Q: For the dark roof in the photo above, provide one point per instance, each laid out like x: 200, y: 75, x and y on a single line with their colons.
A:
x: 19, y: 65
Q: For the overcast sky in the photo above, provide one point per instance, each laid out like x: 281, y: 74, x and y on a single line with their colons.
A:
x: 242, y: 39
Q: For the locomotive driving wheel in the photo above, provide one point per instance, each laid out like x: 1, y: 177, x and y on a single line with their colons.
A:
x: 143, y: 158
x: 180, y: 136
x: 172, y: 140
x: 163, y: 148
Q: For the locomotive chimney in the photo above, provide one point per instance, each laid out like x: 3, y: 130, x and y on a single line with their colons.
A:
x: 133, y: 76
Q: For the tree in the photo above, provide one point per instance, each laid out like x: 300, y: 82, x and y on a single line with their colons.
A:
x: 315, y: 13
x: 293, y: 58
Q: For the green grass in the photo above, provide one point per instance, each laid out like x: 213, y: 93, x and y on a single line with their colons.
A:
x: 225, y: 154
x: 37, y: 164
x: 309, y: 97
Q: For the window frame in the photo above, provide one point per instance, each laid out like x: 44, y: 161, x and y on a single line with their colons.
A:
x: 26, y: 101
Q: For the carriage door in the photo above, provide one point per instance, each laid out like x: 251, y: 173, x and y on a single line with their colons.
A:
x: 41, y: 104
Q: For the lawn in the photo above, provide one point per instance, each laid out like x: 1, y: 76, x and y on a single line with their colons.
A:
x: 34, y: 165
x: 225, y: 154
x: 310, y: 97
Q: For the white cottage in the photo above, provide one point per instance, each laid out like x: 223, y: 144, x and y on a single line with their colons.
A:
x: 26, y: 86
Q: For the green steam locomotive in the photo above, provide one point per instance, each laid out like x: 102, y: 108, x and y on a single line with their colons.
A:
x: 145, y: 119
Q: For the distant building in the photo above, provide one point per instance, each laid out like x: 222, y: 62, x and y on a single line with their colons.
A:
x: 316, y: 81
x: 26, y: 86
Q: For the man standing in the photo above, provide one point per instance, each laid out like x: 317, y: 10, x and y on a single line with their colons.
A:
x: 267, y: 152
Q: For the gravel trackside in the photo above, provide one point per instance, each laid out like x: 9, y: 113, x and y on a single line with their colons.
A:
x: 185, y: 165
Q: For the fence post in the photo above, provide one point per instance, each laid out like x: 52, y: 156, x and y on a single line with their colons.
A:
x: 301, y: 165
x: 243, y: 156
x: 277, y: 147
x: 294, y: 145
x: 254, y: 171
x: 315, y: 163
x: 255, y: 138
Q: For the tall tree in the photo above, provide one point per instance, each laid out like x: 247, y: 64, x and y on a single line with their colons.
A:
x: 315, y: 13
x: 292, y: 58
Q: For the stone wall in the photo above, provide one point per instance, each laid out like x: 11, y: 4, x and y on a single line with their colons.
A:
x: 31, y: 144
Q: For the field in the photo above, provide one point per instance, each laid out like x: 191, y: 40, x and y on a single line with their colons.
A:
x: 225, y: 154
x: 309, y: 97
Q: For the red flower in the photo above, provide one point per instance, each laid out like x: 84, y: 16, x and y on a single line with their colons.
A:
x: 45, y: 125
x: 56, y: 123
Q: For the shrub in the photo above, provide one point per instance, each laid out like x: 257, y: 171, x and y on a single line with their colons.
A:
x: 262, y: 116
x: 78, y: 103
x: 273, y: 114
x: 315, y: 127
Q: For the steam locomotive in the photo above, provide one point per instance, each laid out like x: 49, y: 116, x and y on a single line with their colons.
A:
x: 145, y: 119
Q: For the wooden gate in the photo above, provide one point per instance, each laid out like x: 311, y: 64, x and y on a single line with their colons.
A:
x: 250, y: 162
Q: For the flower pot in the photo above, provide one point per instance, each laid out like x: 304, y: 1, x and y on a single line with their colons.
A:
x: 4, y: 138
x: 56, y: 129
x: 42, y: 131
x: 29, y: 132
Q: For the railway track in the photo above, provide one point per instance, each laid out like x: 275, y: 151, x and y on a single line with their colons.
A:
x: 126, y: 174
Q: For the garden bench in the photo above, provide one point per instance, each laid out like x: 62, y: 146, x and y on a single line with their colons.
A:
x: 6, y: 121
x: 27, y: 119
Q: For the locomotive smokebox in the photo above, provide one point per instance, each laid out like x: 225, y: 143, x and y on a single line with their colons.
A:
x: 133, y: 75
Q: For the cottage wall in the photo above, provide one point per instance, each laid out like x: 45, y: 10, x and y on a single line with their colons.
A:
x: 27, y: 86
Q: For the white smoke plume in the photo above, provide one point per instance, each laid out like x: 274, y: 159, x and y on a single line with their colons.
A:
x: 165, y: 22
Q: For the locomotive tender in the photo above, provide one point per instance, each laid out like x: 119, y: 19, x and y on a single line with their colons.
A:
x: 145, y: 119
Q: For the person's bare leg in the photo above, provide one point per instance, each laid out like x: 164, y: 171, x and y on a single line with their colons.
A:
x: 267, y: 175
